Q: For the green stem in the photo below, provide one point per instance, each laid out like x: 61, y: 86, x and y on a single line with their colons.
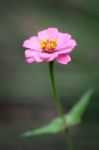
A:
x: 69, y: 139
x: 59, y: 107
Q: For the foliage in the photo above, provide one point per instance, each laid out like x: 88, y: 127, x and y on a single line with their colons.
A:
x: 73, y: 118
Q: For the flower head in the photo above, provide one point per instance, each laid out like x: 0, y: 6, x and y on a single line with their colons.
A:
x: 49, y: 45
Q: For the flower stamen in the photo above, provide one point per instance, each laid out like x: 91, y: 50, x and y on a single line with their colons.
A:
x: 47, y: 45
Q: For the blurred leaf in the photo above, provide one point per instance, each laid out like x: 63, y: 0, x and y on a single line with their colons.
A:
x: 53, y: 127
x: 72, y: 118
x: 75, y: 114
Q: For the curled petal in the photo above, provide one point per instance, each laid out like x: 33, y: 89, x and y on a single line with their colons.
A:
x: 44, y: 56
x: 48, y: 57
x: 52, y: 57
x: 37, y: 58
x: 29, y: 53
x: 29, y: 60
x: 29, y: 56
x: 63, y: 59
x: 33, y: 55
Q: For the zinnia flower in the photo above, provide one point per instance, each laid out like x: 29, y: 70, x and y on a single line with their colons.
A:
x: 49, y: 45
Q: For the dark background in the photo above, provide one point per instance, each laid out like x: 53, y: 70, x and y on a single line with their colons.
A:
x: 25, y: 95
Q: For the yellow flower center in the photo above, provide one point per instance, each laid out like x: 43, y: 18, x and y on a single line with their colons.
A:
x: 47, y: 45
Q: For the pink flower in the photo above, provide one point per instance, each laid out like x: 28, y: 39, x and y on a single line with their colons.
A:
x: 49, y: 45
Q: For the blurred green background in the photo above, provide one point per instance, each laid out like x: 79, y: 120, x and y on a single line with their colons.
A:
x: 25, y: 95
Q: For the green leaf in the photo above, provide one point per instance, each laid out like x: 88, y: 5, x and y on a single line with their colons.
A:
x: 75, y: 114
x: 53, y: 127
x: 72, y: 118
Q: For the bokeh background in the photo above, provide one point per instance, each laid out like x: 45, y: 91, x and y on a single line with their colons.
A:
x: 25, y: 95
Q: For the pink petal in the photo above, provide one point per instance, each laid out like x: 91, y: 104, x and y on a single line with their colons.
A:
x: 29, y: 53
x: 32, y: 43
x: 63, y: 59
x: 29, y: 56
x: 52, y: 33
x: 37, y: 58
x: 62, y: 39
x: 42, y: 35
x: 71, y: 43
x: 44, y: 56
x: 29, y: 60
x: 48, y: 57
x: 34, y: 55
x: 67, y: 47
x: 52, y: 56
